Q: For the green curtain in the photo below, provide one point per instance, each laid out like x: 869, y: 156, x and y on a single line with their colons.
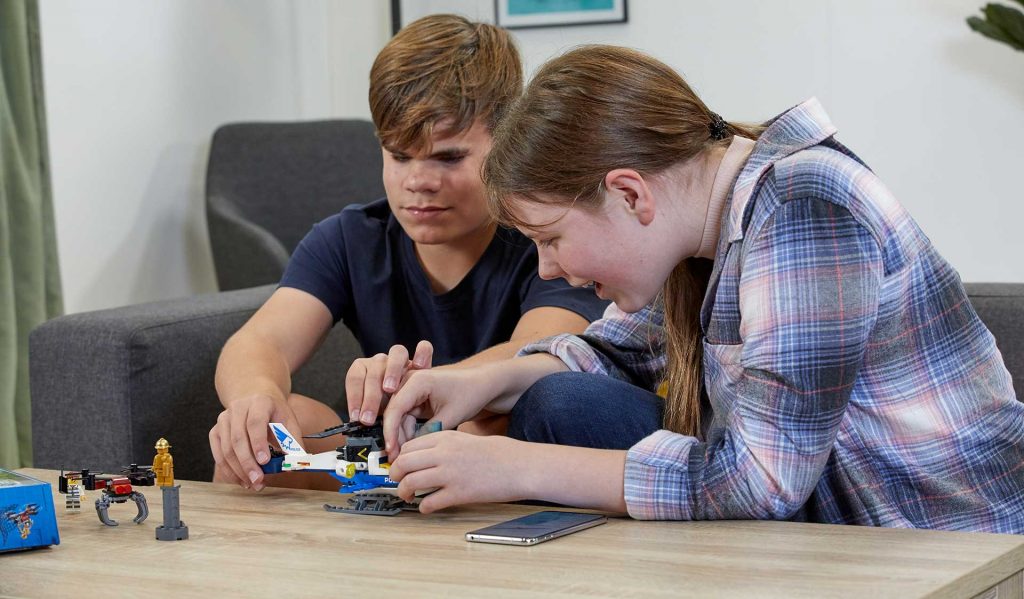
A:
x: 29, y: 276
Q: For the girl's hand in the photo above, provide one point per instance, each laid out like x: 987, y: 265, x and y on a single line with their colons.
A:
x: 464, y: 468
x: 450, y: 396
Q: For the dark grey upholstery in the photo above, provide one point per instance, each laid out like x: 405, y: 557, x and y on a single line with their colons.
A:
x: 267, y: 183
x: 106, y: 385
x: 1001, y: 308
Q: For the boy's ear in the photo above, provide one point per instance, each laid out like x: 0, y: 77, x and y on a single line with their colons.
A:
x: 629, y: 186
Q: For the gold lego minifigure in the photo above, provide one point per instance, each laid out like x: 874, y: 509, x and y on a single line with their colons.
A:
x: 163, y: 464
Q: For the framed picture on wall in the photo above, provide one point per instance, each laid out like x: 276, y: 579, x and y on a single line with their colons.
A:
x: 518, y: 14
x: 404, y: 12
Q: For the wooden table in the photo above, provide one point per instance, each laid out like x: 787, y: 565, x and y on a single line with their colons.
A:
x: 282, y: 543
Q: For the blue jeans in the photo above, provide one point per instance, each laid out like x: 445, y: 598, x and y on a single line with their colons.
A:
x: 585, y: 410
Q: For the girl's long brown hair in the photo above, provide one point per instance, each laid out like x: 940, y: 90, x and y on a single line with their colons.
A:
x: 588, y: 112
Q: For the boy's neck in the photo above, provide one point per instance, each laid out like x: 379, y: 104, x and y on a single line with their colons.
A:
x: 446, y: 264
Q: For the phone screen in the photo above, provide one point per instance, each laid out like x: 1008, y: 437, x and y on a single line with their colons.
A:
x: 535, y: 528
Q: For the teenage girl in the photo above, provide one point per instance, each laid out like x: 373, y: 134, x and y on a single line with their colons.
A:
x: 822, y: 359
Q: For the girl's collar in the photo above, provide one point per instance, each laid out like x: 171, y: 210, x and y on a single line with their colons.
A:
x: 728, y: 170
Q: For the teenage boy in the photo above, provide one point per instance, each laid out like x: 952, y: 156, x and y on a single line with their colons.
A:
x: 425, y: 267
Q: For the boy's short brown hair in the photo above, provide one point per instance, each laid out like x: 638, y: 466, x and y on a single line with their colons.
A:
x: 442, y: 67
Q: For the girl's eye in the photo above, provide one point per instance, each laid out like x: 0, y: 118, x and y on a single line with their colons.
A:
x: 546, y: 243
x: 452, y: 159
x: 400, y: 158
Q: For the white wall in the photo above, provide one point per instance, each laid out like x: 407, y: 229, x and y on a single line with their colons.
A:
x: 134, y: 91
x: 934, y: 108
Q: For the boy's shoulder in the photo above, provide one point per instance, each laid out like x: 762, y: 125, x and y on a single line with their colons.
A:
x: 377, y: 212
x: 357, y: 223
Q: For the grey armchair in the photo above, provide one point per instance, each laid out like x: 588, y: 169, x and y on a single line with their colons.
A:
x: 106, y: 385
x: 268, y: 183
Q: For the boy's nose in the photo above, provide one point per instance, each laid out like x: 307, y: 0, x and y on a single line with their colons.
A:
x: 422, y: 178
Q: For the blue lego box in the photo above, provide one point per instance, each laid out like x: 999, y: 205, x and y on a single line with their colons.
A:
x: 27, y: 518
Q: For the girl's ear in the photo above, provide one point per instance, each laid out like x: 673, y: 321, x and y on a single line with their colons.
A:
x: 629, y: 186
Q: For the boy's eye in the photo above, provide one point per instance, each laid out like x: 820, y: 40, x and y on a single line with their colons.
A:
x: 452, y: 159
x: 546, y: 243
x: 399, y: 157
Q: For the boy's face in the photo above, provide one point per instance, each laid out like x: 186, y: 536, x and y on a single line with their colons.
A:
x: 438, y: 198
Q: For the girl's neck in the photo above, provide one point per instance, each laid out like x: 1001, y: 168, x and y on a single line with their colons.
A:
x: 725, y: 164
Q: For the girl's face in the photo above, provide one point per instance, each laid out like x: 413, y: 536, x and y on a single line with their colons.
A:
x: 607, y: 247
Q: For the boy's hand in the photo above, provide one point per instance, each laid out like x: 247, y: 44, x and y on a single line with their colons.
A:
x: 369, y: 380
x: 240, y: 439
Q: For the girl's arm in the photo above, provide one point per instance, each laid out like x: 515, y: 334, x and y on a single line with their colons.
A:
x: 467, y: 468
x: 622, y: 345
x: 453, y: 395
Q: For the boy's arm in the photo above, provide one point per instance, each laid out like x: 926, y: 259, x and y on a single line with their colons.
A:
x: 370, y: 378
x: 253, y: 377
x: 536, y: 324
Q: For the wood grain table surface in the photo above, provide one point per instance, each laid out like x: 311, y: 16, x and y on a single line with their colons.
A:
x: 281, y: 543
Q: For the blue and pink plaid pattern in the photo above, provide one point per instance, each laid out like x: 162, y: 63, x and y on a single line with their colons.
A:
x: 850, y: 379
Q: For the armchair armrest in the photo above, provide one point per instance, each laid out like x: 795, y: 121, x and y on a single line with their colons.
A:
x: 106, y: 385
x: 1001, y: 308
x: 244, y: 253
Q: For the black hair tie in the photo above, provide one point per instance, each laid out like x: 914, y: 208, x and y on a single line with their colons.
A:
x: 718, y: 127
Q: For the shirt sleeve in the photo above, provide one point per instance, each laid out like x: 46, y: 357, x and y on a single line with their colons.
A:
x: 808, y: 299
x: 628, y: 347
x: 317, y: 266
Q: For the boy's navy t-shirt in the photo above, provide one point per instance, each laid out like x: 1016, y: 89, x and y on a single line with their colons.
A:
x: 361, y: 264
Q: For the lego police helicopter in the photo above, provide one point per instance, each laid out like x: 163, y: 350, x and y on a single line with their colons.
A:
x: 359, y: 465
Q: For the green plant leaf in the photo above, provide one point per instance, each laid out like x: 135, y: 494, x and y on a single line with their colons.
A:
x: 1009, y: 19
x: 991, y: 31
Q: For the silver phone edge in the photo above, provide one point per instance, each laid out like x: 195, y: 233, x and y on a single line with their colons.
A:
x: 525, y: 541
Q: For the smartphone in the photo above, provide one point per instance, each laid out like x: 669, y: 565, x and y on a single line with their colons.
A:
x: 535, y: 528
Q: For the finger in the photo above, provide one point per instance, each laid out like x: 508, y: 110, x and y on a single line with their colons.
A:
x: 411, y: 461
x: 257, y: 429
x: 408, y: 426
x: 438, y: 500
x: 354, y: 388
x: 225, y: 472
x: 424, y: 355
x: 401, y: 403
x: 398, y: 360
x: 372, y: 389
x: 402, y: 438
x: 242, y: 447
x: 218, y: 455
x: 413, y: 444
x: 228, y: 451
x: 414, y: 481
